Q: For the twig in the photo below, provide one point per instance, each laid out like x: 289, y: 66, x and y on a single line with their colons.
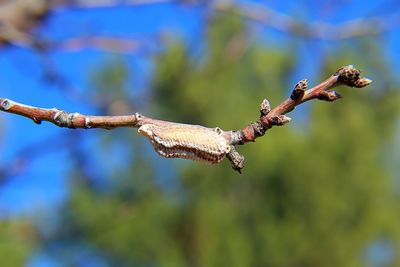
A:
x: 176, y: 140
x: 347, y: 75
x: 65, y: 119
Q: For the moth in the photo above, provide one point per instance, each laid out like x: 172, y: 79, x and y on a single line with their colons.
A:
x: 194, y: 142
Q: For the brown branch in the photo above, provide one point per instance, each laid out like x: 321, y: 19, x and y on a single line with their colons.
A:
x: 65, y: 119
x: 347, y: 75
x: 194, y: 141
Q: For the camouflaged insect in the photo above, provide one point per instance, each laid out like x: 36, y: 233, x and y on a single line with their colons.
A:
x: 176, y: 140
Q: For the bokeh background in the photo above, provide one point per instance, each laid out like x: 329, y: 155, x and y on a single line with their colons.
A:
x: 320, y: 191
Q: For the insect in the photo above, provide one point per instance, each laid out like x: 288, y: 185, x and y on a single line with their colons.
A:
x: 195, y: 142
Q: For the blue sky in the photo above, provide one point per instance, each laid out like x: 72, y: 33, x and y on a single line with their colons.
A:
x: 42, y: 185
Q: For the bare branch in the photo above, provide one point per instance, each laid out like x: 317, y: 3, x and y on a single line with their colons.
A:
x: 347, y: 75
x: 177, y: 140
x: 65, y: 119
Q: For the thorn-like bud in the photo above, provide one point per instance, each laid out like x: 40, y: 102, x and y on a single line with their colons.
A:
x: 299, y: 90
x: 362, y: 82
x: 265, y: 107
x: 329, y: 96
x: 280, y: 120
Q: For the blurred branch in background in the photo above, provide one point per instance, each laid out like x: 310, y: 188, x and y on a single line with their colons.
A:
x: 19, y: 163
x: 260, y: 12
x: 316, y: 30
x: 19, y: 19
x: 106, y: 44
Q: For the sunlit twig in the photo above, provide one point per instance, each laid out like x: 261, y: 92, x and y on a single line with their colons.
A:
x: 196, y: 142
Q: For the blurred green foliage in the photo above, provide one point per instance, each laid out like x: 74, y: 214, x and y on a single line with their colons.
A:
x: 318, y: 194
x: 17, y: 240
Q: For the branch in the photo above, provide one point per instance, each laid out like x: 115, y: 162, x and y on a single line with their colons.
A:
x: 65, y: 119
x: 195, y: 142
x: 347, y: 75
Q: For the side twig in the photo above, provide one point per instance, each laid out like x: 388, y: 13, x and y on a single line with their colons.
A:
x: 195, y: 142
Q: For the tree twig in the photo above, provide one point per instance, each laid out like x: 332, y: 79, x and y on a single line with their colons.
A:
x: 177, y: 140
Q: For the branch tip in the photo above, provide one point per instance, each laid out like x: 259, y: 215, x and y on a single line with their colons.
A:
x: 360, y: 83
x: 350, y: 76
